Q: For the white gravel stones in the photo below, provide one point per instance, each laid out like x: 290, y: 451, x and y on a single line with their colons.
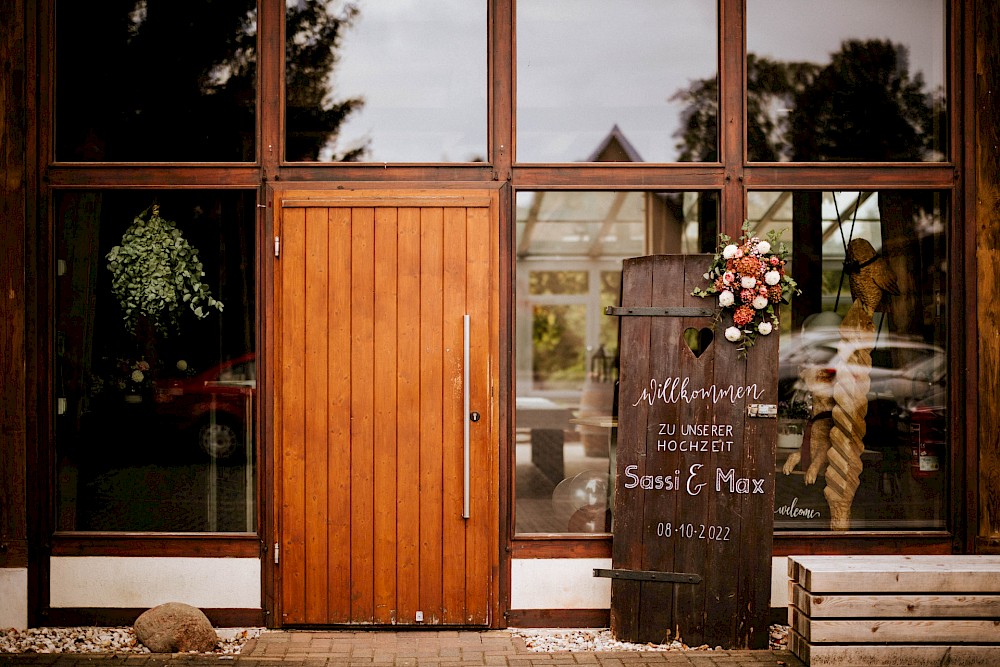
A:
x: 103, y: 640
x: 600, y: 639
x: 552, y: 640
x: 231, y: 640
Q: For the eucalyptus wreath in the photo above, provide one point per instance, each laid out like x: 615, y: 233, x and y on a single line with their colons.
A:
x: 156, y: 273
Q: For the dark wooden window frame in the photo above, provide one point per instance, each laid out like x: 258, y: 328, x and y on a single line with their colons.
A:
x: 732, y: 178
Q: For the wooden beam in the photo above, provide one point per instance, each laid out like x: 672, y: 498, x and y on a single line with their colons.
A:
x: 14, y: 95
x: 896, y: 574
x: 903, y: 655
x: 886, y: 631
x: 894, y: 606
x: 987, y: 212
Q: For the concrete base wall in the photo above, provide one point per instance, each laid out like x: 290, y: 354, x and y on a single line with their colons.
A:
x: 99, y: 581
x: 568, y: 583
x: 235, y: 583
x: 559, y: 583
x: 14, y: 598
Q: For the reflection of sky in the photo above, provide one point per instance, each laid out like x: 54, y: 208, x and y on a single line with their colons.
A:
x: 811, y: 30
x: 421, y: 68
x: 584, y: 66
x: 855, y: 221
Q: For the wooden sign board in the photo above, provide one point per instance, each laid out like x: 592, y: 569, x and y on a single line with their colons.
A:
x: 694, y: 485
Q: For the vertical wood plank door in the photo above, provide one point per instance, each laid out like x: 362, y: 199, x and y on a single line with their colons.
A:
x: 372, y: 293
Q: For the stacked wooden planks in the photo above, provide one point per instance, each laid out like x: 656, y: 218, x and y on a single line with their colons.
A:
x: 877, y: 611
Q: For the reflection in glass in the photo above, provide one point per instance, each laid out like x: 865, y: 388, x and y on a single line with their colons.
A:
x: 155, y: 80
x: 847, y: 81
x: 373, y: 81
x: 900, y: 366
x: 570, y: 247
x: 155, y: 408
x: 590, y: 74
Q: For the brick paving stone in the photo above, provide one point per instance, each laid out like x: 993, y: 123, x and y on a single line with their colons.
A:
x: 429, y: 648
x: 633, y: 657
x: 609, y: 660
x: 519, y: 661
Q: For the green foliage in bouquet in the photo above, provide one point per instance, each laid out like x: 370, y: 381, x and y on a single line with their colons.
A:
x: 156, y: 274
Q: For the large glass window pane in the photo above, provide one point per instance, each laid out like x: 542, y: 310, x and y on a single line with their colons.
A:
x: 570, y: 247
x: 851, y: 80
x: 155, y: 373
x: 377, y: 81
x: 867, y: 336
x: 628, y: 81
x: 155, y: 80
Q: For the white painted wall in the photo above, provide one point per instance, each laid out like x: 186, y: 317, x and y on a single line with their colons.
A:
x: 14, y: 598
x: 568, y: 583
x: 234, y: 583
x: 559, y: 583
x: 100, y: 581
x: 779, y: 581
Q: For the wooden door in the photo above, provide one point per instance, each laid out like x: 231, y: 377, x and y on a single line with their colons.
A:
x: 372, y: 290
x: 694, y: 485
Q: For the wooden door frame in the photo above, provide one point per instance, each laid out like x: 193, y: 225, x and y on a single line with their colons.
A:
x: 501, y: 206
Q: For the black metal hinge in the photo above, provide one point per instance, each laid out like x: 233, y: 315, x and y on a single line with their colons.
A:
x: 659, y: 311
x: 650, y: 575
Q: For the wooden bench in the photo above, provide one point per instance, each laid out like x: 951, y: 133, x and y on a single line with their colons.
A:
x: 875, y: 611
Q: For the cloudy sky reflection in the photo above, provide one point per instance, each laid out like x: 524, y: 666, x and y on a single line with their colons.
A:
x: 584, y: 66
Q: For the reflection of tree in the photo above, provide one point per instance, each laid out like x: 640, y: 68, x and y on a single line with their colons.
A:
x: 175, y: 80
x: 865, y: 106
x: 557, y: 339
x: 774, y: 86
x: 156, y: 80
x: 700, y: 121
x: 558, y: 344
x: 771, y: 87
x: 312, y: 39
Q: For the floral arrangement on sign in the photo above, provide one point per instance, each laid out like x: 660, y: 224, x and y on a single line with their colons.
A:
x: 157, y: 274
x: 750, y: 279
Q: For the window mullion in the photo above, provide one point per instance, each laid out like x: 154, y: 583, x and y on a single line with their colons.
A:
x: 732, y: 115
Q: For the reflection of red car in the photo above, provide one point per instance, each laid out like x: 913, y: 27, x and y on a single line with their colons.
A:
x: 217, y: 404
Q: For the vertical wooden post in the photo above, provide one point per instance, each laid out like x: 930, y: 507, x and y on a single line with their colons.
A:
x: 987, y: 249
x: 15, y: 93
x: 694, y: 490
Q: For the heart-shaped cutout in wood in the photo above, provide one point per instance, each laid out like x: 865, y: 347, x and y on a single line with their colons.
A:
x: 698, y: 340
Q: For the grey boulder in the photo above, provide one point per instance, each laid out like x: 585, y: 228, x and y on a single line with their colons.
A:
x: 175, y: 627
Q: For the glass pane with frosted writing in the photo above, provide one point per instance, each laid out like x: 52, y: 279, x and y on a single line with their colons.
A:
x: 863, y: 381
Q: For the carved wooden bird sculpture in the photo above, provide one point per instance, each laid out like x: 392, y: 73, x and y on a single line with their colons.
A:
x: 871, y: 281
x: 870, y: 277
